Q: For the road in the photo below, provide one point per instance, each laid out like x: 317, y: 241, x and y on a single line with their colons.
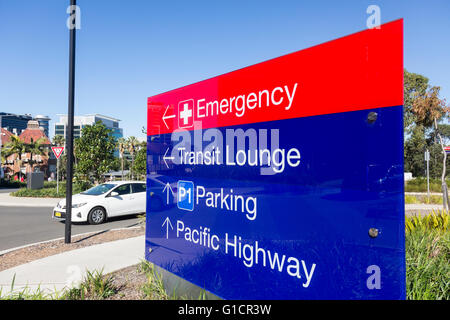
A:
x: 25, y: 225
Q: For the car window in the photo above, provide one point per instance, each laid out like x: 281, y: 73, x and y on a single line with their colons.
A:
x: 138, y: 187
x: 123, y: 189
x: 100, y: 189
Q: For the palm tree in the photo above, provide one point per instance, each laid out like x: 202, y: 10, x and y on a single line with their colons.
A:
x: 34, y: 147
x: 122, y: 146
x: 132, y: 143
x: 59, y: 140
x: 15, y: 146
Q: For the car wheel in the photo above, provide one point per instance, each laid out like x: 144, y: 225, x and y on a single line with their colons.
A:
x: 97, y: 215
x: 156, y: 204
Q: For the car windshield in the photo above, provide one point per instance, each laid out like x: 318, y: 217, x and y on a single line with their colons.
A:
x: 100, y: 189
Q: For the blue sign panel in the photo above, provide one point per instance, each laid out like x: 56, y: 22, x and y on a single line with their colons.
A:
x: 268, y: 192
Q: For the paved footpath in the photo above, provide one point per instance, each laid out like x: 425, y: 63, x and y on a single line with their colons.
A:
x: 9, y: 201
x: 65, y: 270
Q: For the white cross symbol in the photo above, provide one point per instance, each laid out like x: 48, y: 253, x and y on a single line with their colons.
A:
x: 186, y: 113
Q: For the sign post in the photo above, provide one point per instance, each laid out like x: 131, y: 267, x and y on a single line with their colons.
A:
x: 252, y: 206
x: 57, y: 151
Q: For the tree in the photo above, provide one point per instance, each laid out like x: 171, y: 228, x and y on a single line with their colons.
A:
x: 34, y: 148
x: 59, y: 140
x: 420, y: 134
x: 414, y: 149
x: 15, y: 146
x: 95, y: 152
x: 429, y: 108
x: 140, y: 163
x: 122, y: 146
x: 132, y: 144
x: 414, y: 85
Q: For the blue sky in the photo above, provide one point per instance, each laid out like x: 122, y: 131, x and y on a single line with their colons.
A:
x: 130, y: 50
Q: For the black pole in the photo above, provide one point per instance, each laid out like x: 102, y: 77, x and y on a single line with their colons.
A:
x: 69, y: 130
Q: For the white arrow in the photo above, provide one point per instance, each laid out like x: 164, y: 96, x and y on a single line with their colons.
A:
x: 168, y: 188
x: 167, y: 117
x: 167, y: 158
x: 167, y: 223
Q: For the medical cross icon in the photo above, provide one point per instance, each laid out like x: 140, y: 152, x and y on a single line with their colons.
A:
x: 186, y: 113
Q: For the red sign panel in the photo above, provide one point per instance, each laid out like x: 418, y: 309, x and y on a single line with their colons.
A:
x: 354, y: 71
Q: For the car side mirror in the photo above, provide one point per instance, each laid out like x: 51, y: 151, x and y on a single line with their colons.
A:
x: 114, y: 194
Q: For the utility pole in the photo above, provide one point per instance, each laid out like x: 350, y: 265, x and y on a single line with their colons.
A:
x: 72, y: 27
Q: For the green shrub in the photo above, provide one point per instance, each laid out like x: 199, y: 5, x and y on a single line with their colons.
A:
x: 427, y: 257
x: 95, y: 286
x: 420, y: 185
x: 12, y: 184
x: 436, y: 220
x: 50, y: 190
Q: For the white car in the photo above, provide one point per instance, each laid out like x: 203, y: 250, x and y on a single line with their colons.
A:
x: 111, y: 199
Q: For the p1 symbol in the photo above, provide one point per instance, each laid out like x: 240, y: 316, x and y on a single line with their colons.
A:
x: 185, y: 195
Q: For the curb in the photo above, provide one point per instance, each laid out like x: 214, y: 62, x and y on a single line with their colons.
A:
x: 76, y: 235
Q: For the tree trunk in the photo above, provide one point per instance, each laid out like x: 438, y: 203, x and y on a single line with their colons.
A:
x: 20, y: 167
x: 445, y: 199
x: 121, y: 162
x: 132, y: 164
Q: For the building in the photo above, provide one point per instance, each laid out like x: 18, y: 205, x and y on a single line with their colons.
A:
x: 27, y: 162
x: 81, y: 121
x: 44, y: 122
x: 14, y: 123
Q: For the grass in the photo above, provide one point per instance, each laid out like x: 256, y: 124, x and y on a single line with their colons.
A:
x: 413, y: 199
x: 27, y: 294
x: 50, y: 190
x: 420, y: 185
x: 427, y: 257
x: 95, y: 286
x: 153, y: 289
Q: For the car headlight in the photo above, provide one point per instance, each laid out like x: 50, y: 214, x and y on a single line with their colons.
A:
x: 78, y: 205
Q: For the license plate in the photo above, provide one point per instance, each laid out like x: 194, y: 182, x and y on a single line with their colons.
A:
x: 57, y: 214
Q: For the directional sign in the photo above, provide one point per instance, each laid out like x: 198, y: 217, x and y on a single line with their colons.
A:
x: 57, y: 151
x: 168, y: 190
x: 263, y: 210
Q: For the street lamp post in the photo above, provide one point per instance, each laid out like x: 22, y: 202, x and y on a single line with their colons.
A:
x: 68, y: 222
